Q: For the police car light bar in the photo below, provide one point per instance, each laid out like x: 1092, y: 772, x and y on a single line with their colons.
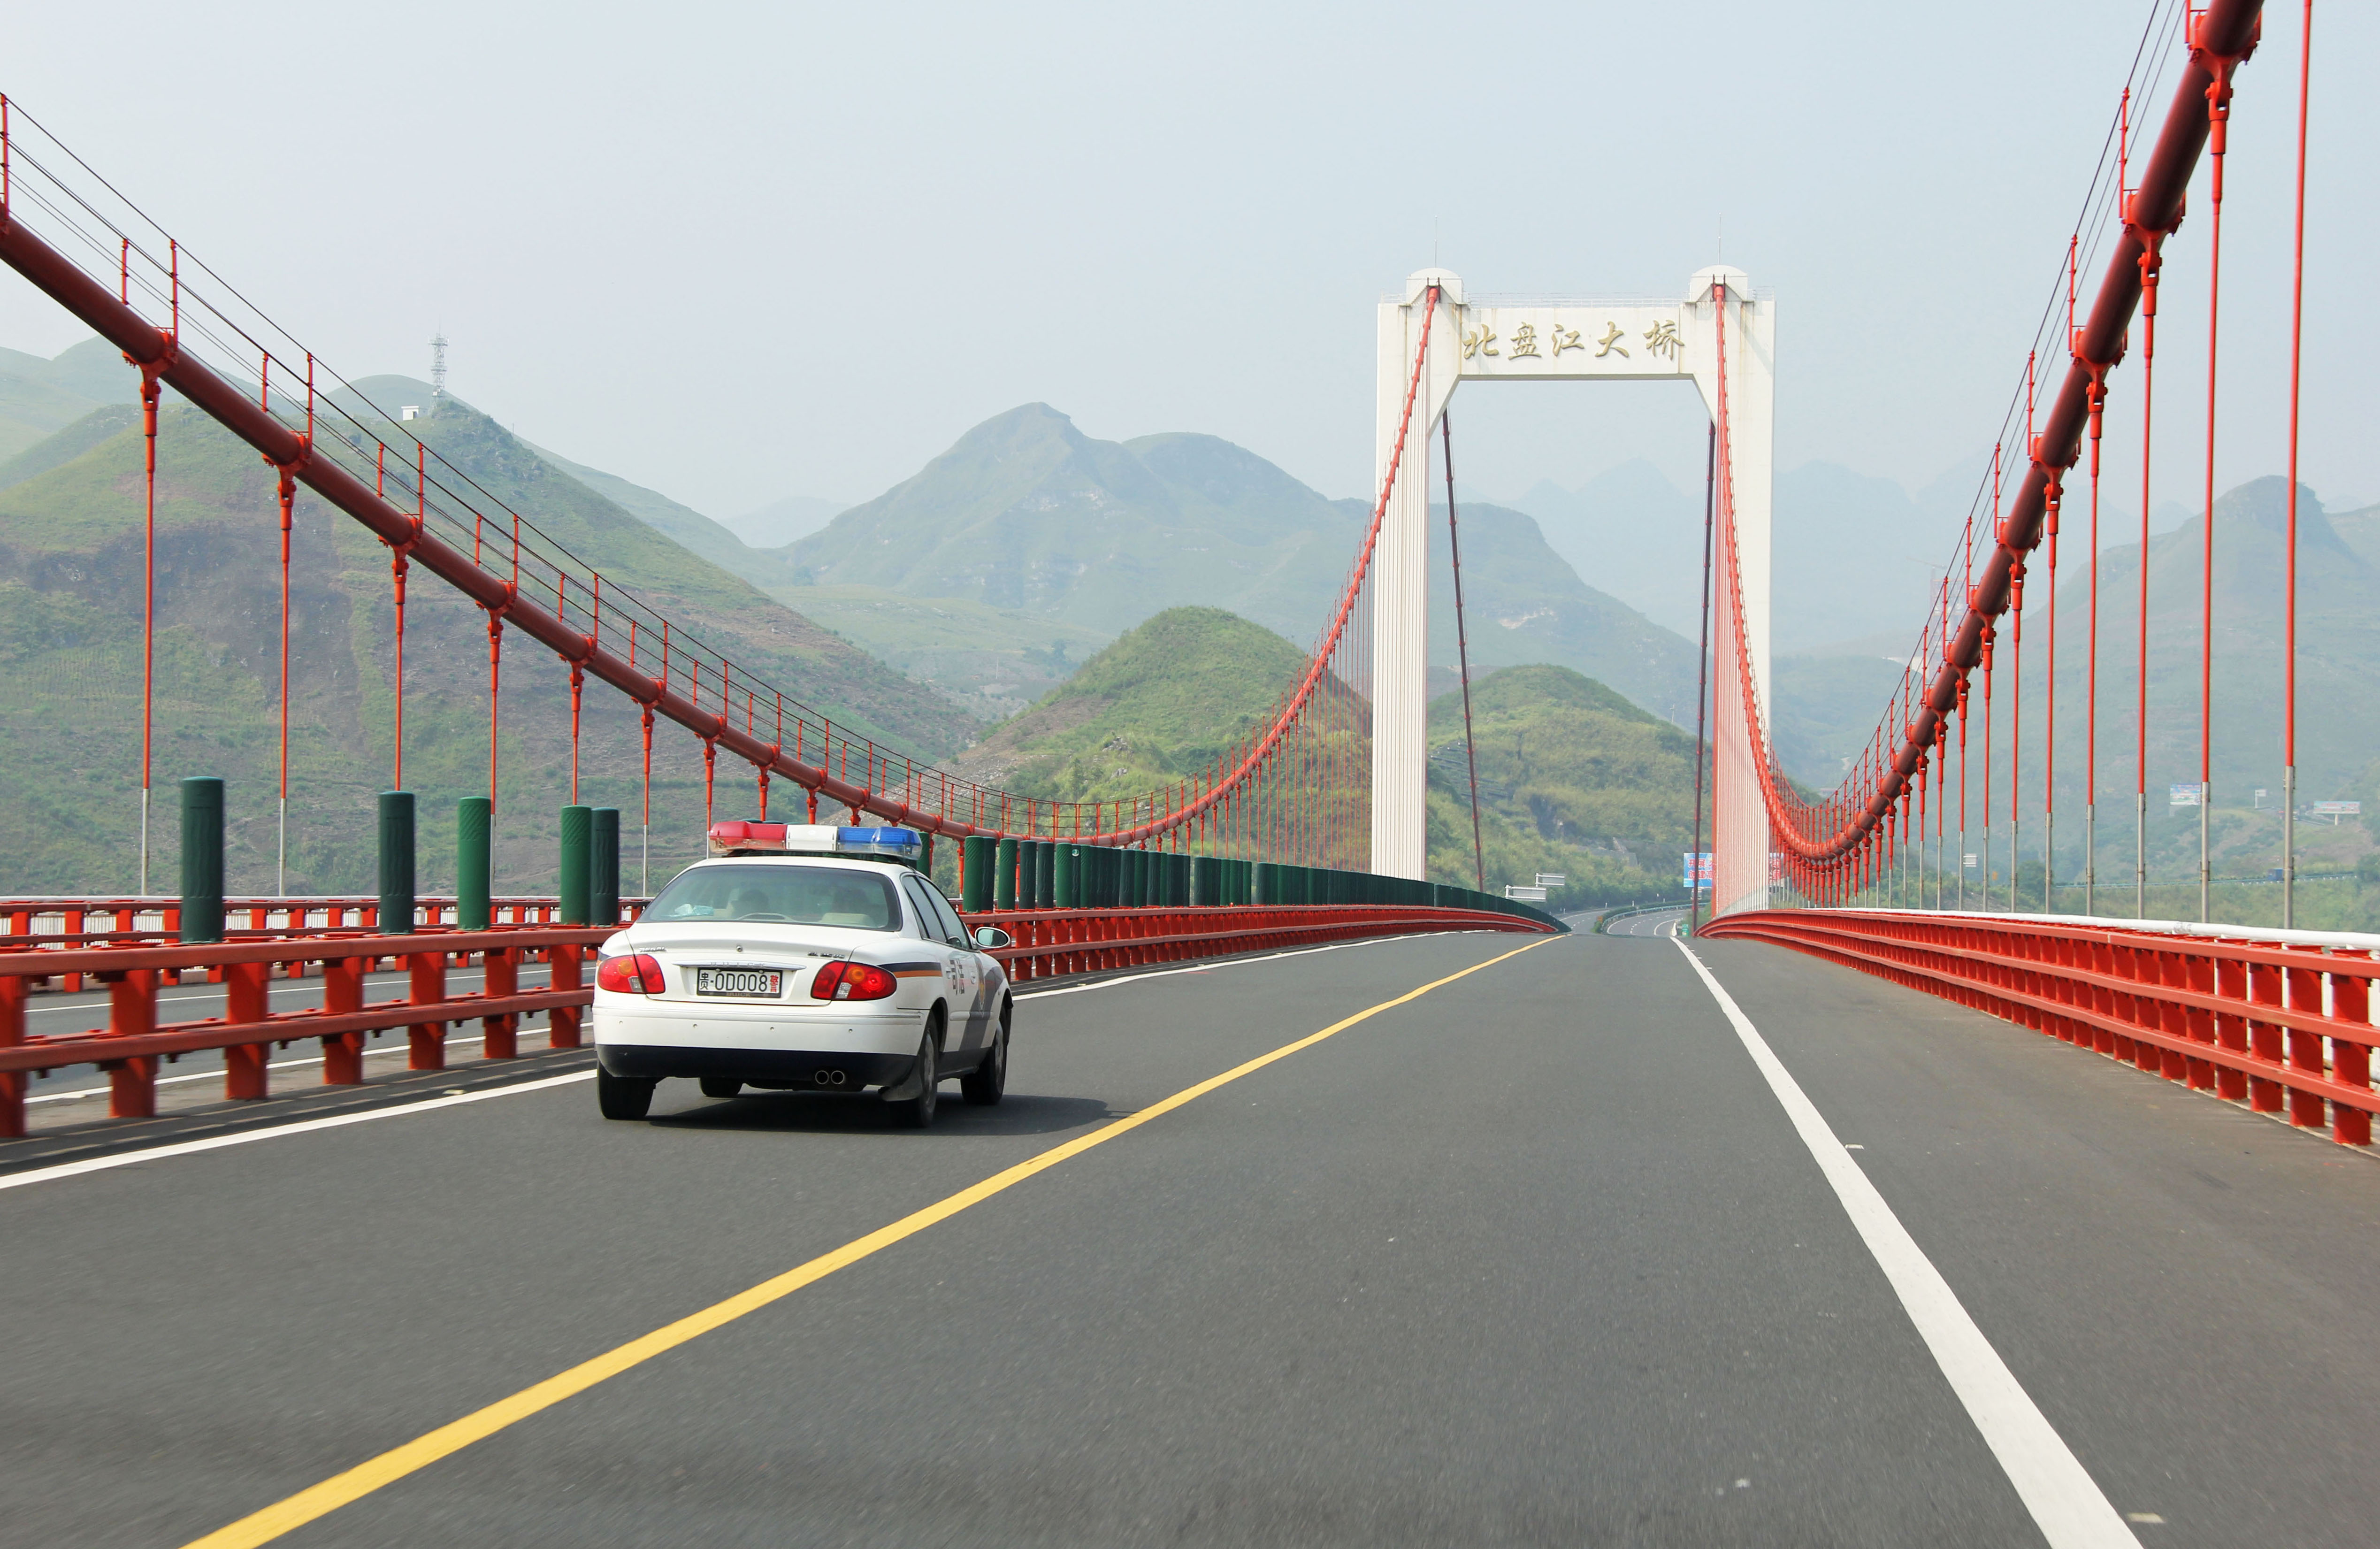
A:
x: 904, y: 845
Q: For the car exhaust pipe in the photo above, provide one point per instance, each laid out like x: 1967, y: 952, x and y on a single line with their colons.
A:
x: 830, y: 1078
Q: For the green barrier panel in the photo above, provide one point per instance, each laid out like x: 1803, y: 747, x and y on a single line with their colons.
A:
x: 604, y: 872
x: 975, y: 867
x: 1045, y: 876
x: 475, y: 822
x: 202, y: 859
x: 1064, y: 889
x: 1268, y: 883
x: 1029, y: 873
x: 396, y: 894
x: 1004, y: 875
x: 577, y: 868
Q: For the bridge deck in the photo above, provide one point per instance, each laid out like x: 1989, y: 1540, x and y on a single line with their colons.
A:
x: 1536, y: 1258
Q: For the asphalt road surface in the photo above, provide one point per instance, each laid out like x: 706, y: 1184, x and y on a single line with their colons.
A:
x: 1537, y: 1257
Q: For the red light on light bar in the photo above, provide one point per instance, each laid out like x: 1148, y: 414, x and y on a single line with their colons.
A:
x: 852, y: 982
x: 749, y: 835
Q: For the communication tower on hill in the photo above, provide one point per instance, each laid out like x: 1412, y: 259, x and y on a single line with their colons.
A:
x: 438, y: 365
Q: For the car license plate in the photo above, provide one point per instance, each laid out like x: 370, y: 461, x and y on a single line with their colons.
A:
x: 768, y: 983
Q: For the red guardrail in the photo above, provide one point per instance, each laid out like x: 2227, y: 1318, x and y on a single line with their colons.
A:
x: 1048, y: 943
x: 131, y: 1045
x: 1059, y: 940
x: 2278, y: 1021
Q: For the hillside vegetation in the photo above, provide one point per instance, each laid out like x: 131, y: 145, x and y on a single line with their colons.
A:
x: 70, y: 605
x: 1573, y: 777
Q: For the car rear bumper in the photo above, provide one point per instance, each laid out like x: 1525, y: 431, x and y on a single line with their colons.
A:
x: 803, y: 1069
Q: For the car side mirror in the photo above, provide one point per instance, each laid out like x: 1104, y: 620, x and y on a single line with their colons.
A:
x: 990, y: 938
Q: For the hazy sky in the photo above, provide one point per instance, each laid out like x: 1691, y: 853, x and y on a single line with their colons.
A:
x: 736, y: 252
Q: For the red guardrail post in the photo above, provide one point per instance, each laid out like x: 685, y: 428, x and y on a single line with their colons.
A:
x: 72, y: 926
x: 343, y: 991
x: 2230, y: 1026
x: 2264, y: 1038
x: 562, y: 1021
x: 499, y: 1035
x: 12, y: 1032
x: 2351, y: 1059
x: 2305, y: 1048
x: 426, y: 1041
x: 244, y: 1074
x: 131, y: 1013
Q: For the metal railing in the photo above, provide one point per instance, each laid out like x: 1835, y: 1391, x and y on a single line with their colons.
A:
x: 2279, y: 1019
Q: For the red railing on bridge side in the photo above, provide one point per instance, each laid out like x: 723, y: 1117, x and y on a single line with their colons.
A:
x: 1059, y: 941
x: 131, y: 1045
x: 1048, y: 944
x: 2279, y: 1019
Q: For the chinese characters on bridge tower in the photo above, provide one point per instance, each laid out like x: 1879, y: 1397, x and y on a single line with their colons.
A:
x: 1660, y: 341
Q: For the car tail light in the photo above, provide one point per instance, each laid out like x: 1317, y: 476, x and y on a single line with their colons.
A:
x: 629, y: 974
x: 852, y: 982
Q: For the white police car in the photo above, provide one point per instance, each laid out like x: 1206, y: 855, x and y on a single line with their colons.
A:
x: 802, y: 958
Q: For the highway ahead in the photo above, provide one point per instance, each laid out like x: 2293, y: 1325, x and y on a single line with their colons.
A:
x: 1539, y: 1257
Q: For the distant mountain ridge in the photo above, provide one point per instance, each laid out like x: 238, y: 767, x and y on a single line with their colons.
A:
x: 1025, y: 513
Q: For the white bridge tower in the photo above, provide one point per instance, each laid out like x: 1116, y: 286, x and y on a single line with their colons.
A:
x: 1570, y: 340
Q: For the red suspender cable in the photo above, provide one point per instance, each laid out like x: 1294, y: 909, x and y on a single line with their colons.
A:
x: 2289, y: 586
x: 1702, y: 682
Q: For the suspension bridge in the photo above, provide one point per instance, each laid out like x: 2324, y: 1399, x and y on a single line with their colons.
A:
x: 1331, y: 1201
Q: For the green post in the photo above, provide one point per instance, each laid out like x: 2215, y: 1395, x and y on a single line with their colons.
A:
x: 974, y: 858
x: 604, y: 884
x: 1004, y: 875
x: 1065, y: 872
x: 396, y: 863
x: 202, y: 859
x: 475, y: 822
x: 577, y: 840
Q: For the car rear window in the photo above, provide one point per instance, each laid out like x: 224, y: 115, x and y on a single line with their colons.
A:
x: 775, y: 894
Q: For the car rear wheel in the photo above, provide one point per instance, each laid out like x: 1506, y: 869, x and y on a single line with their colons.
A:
x: 983, y: 1085
x: 720, y: 1086
x: 918, y: 1113
x: 623, y: 1096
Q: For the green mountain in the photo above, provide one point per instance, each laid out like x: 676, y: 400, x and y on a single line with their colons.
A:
x: 70, y: 603
x: 1027, y: 516
x: 1573, y: 777
x: 1159, y: 705
x: 40, y: 398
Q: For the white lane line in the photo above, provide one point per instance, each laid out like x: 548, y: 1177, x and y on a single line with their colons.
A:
x: 186, y: 1148
x: 2066, y: 1504
x: 1215, y: 964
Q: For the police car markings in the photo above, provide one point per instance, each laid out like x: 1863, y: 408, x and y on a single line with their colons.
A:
x: 320, y: 1500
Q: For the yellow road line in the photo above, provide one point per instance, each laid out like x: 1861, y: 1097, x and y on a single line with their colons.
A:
x: 320, y: 1500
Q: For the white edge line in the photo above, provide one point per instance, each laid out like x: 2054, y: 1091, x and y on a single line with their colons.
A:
x: 2067, y: 1504
x: 216, y: 1142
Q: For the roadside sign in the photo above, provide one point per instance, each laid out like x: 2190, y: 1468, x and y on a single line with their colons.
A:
x: 2187, y: 796
x: 2334, y: 810
x: 1971, y: 860
x: 1553, y: 879
x: 1524, y: 895
x: 1696, y: 870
